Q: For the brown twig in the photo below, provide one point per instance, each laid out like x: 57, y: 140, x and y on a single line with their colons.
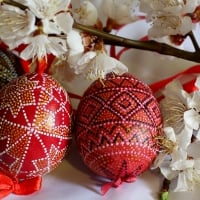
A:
x: 194, y: 41
x: 14, y: 3
x: 147, y: 45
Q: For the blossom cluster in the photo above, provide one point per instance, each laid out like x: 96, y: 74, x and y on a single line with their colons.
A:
x: 45, y: 27
x: 169, y: 17
x: 179, y: 157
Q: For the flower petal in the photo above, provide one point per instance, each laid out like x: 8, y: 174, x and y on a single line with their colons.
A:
x: 182, y: 165
x: 86, y: 14
x: 50, y: 27
x: 40, y: 45
x: 74, y: 41
x: 192, y: 119
x: 170, y: 134
x: 47, y: 8
x: 15, y: 23
x: 86, y: 58
x: 184, y: 138
x: 197, y: 83
x: 168, y: 173
x: 182, y: 183
x: 64, y: 21
x: 159, y: 160
x: 177, y: 157
x: 104, y: 64
x: 120, y: 11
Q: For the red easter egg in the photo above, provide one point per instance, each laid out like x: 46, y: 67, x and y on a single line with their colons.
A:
x: 117, y: 123
x: 35, y: 126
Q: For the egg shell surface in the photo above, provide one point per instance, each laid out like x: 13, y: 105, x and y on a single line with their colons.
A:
x: 35, y: 126
x: 117, y: 122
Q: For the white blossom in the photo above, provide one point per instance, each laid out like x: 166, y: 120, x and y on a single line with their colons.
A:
x: 174, y: 144
x: 173, y: 105
x: 79, y: 61
x: 76, y: 51
x: 76, y: 48
x: 172, y: 6
x: 178, y: 163
x: 169, y: 143
x: 86, y: 14
x: 15, y: 23
x: 47, y: 8
x: 96, y: 64
x: 192, y: 116
x: 54, y: 15
x: 168, y: 17
x: 60, y: 23
x: 92, y: 64
x: 42, y: 27
x: 190, y: 6
x: 180, y: 108
x: 187, y: 173
x: 103, y: 64
x: 121, y: 11
x: 179, y: 158
x: 165, y: 24
x: 41, y: 45
x: 187, y: 180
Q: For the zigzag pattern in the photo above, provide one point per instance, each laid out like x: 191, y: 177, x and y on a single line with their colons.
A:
x: 120, y: 111
x: 35, y: 126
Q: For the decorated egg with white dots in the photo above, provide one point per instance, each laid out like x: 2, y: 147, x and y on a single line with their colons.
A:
x: 117, y: 124
x: 35, y: 126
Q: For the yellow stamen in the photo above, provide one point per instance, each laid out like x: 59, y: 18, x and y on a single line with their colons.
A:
x: 165, y: 144
x: 173, y: 112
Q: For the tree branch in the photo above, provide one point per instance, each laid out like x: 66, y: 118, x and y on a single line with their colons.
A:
x: 14, y: 3
x: 147, y: 45
x: 194, y: 41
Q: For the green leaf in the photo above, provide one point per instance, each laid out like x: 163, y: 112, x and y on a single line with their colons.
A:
x: 164, y: 196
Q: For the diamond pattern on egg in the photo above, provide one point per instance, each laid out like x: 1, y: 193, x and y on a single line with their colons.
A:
x: 117, y: 123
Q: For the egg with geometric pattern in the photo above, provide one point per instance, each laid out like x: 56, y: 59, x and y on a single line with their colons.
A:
x: 35, y: 126
x: 117, y: 122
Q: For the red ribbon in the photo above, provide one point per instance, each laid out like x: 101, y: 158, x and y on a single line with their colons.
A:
x: 117, y: 183
x: 189, y: 86
x: 8, y: 186
x: 74, y: 96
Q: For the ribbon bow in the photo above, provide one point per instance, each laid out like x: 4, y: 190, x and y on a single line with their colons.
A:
x: 8, y: 186
x: 116, y: 183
